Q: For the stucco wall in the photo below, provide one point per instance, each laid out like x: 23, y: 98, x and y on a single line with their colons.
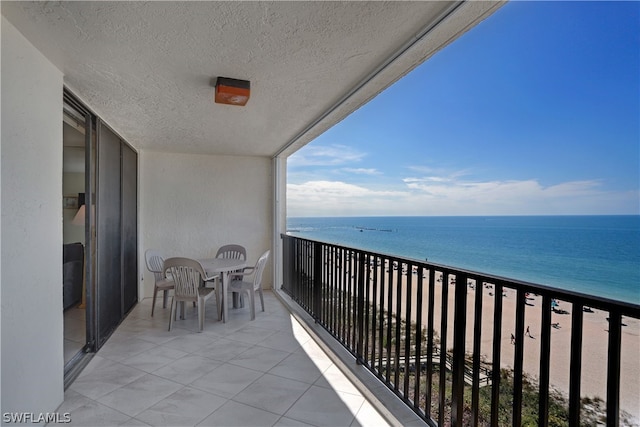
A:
x: 31, y: 294
x: 190, y: 205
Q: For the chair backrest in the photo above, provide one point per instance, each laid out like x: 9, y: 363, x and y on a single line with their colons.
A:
x: 187, y: 275
x: 155, y: 263
x: 260, y: 265
x: 232, y: 252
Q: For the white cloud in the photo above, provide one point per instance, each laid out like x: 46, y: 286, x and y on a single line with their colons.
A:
x: 331, y: 155
x: 362, y: 171
x: 434, y: 195
x: 513, y: 192
x: 335, y: 198
x: 417, y: 181
x: 513, y: 197
x: 437, y: 172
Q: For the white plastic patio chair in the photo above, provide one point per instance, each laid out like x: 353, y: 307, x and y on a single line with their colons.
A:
x: 187, y: 275
x: 232, y: 251
x: 155, y: 264
x: 251, y: 287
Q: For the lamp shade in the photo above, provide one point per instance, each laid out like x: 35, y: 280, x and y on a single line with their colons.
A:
x: 79, y: 218
x: 232, y: 91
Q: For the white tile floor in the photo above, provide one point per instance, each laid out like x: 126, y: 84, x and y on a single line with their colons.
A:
x: 75, y: 330
x: 268, y: 372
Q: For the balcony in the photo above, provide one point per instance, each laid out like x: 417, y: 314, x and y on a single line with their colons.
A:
x: 278, y: 370
x: 208, y: 174
x: 464, y: 348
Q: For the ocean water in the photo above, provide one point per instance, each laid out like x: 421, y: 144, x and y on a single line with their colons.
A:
x: 596, y: 255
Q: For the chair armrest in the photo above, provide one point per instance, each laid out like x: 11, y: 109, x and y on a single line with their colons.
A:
x: 247, y: 271
x: 210, y: 279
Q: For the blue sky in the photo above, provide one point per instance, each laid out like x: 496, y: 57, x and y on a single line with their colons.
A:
x: 536, y: 111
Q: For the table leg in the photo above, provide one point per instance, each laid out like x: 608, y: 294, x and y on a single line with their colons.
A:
x: 235, y: 299
x: 238, y: 301
x: 225, y: 280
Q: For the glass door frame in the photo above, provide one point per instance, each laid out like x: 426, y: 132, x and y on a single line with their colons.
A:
x: 74, y: 107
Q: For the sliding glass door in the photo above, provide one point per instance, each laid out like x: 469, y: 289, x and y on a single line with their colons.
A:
x: 107, y: 184
x: 117, y: 271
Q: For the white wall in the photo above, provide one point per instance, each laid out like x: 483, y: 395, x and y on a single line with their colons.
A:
x: 31, y: 294
x: 190, y: 205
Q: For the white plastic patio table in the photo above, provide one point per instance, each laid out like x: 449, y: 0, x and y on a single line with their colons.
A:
x: 215, y: 267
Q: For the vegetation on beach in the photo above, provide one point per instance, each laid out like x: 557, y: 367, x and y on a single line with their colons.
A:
x: 592, y: 411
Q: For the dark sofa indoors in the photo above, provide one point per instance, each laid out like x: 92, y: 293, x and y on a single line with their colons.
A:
x: 72, y: 271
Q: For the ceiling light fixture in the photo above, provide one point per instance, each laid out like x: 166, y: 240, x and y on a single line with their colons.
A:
x: 232, y: 91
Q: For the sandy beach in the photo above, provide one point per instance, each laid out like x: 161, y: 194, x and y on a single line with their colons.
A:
x: 595, y: 338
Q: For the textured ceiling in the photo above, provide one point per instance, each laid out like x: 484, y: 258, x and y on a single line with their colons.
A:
x: 147, y: 67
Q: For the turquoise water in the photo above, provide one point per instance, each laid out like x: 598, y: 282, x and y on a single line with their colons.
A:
x: 596, y: 255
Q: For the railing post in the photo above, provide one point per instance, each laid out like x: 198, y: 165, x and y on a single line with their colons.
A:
x: 518, y: 363
x: 430, y: 342
x: 545, y: 363
x: 575, y: 370
x: 458, y: 364
x: 317, y: 281
x: 495, y: 364
x: 477, y: 342
x: 444, y: 304
x: 362, y: 258
x: 613, y: 369
x: 286, y: 264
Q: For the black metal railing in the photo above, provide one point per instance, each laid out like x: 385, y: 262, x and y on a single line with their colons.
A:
x: 436, y: 335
